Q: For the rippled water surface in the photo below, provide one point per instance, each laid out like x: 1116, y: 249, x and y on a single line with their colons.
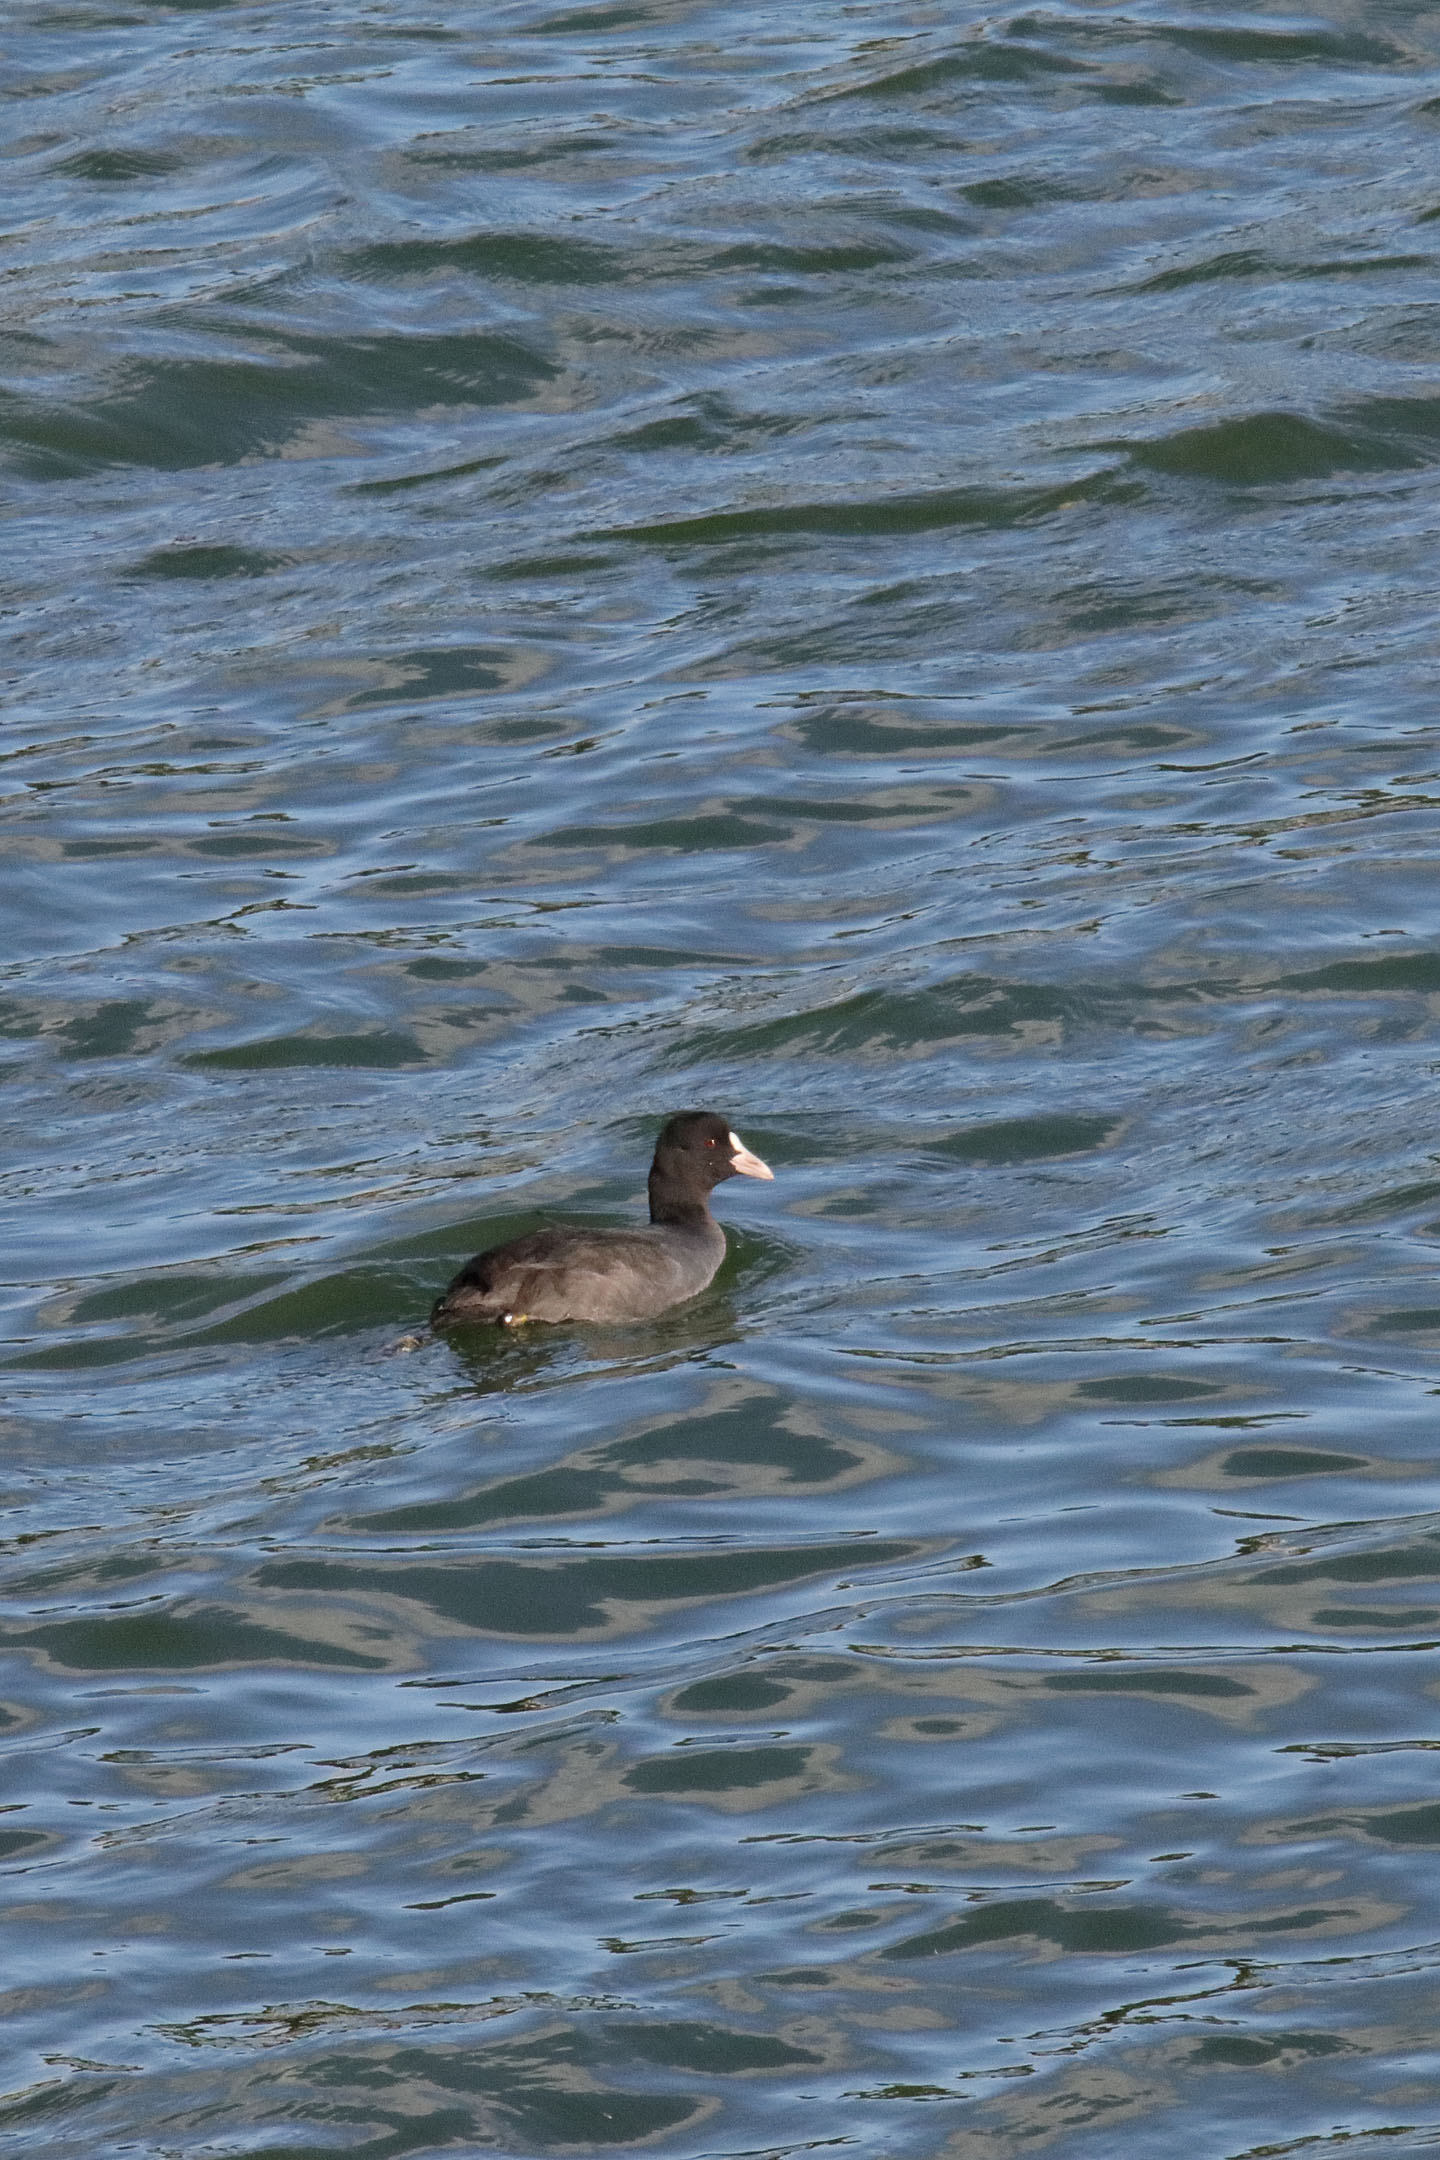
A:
x: 868, y: 566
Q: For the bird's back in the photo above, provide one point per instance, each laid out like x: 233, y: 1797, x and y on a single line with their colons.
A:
x: 576, y: 1274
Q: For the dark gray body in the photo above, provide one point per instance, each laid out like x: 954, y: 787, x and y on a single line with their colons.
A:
x: 613, y: 1275
x: 573, y: 1274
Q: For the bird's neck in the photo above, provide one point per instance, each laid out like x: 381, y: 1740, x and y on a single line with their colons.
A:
x: 679, y: 1208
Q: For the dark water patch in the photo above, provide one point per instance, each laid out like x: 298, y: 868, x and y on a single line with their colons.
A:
x: 1273, y: 449
x: 1092, y: 1931
x: 1231, y: 43
x: 754, y: 1447
x: 1234, y: 263
x: 980, y: 61
x: 1016, y: 191
x: 815, y: 261
x: 525, y: 258
x: 26, y: 1844
x: 579, y: 1597
x: 1373, y: 435
x: 1099, y: 608
x: 259, y: 1309
x: 852, y: 730
x: 1281, y: 1462
x: 543, y: 259
x: 435, y: 969
x: 117, y: 167
x: 1253, y: 2051
x: 1147, y: 1680
x: 1391, y: 1563
x: 211, y: 1637
x: 132, y: 846
x: 1149, y: 1387
x: 1027, y: 1139
x: 1401, y: 1619
x: 877, y: 141
x: 1383, y: 1206
x: 405, y: 483
x: 117, y: 1028
x: 596, y: 21
x: 413, y: 884
x: 713, y: 2050
x: 1406, y: 1320
x: 541, y: 567
x: 696, y: 1772
x: 891, y: 806
x: 685, y: 835
x: 161, y: 7
x: 260, y: 838
x: 219, y: 561
x: 115, y: 1567
x: 879, y: 1023
x: 1245, y: 263
x: 540, y: 2093
x: 879, y: 516
x: 731, y: 1695
x: 1388, y: 1826
x: 348, y: 1302
x: 554, y: 150
x: 170, y: 1297
x: 1136, y: 91
x: 377, y: 1050
x: 169, y: 415
x: 48, y: 2105
x: 424, y: 675
x: 90, y: 1355
x: 1413, y: 973
x: 1107, y: 1930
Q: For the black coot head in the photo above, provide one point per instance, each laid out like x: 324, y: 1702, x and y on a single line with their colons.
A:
x: 700, y: 1148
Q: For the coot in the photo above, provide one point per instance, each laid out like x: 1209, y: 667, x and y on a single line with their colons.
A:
x: 615, y: 1274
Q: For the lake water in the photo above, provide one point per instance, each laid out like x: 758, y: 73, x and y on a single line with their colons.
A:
x: 868, y: 566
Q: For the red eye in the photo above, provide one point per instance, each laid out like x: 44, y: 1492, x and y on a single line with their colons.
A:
x: 709, y: 1143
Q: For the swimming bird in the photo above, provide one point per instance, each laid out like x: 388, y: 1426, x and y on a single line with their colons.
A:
x: 581, y: 1274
